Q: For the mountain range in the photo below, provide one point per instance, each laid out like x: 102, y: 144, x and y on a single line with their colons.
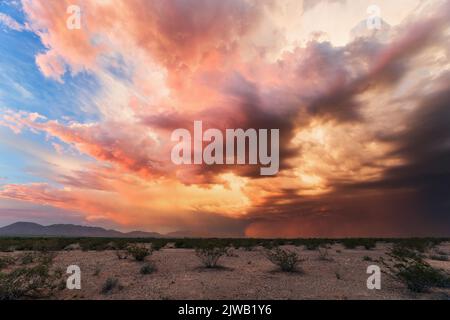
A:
x: 29, y: 229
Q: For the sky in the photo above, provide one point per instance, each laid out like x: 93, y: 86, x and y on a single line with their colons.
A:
x: 86, y: 115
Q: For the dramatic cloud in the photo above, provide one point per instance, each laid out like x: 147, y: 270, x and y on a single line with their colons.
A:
x: 364, y: 145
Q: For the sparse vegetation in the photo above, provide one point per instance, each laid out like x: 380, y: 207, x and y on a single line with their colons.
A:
x: 23, y: 274
x: 407, y: 265
x: 6, y: 262
x: 353, y: 243
x: 148, y: 268
x: 210, y: 256
x: 416, y: 244
x: 99, y: 244
x: 402, y: 252
x: 27, y: 258
x: 420, y: 276
x: 36, y: 281
x: 285, y: 259
x: 111, y: 285
x: 314, y: 244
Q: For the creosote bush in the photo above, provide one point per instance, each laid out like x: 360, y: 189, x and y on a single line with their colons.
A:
x: 139, y: 252
x: 6, y: 262
x: 111, y: 285
x: 353, y: 243
x: 419, y: 276
x: 285, y: 259
x: 36, y: 281
x: 210, y: 256
x: 407, y: 265
x: 148, y: 268
x: 27, y: 258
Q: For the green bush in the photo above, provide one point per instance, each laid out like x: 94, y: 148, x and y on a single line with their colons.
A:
x: 28, y: 282
x: 285, y: 259
x: 148, y: 268
x: 408, y: 266
x: 27, y: 258
x: 401, y: 252
x: 139, y: 252
x: 6, y: 262
x: 210, y: 256
x: 314, y: 244
x: 420, y: 276
x: 353, y: 243
x: 416, y: 244
x: 110, y: 285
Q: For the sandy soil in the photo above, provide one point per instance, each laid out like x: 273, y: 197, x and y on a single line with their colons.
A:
x: 245, y: 275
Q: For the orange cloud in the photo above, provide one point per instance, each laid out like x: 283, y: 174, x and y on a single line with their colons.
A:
x: 341, y: 111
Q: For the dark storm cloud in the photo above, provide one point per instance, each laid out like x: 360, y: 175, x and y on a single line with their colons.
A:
x: 411, y: 198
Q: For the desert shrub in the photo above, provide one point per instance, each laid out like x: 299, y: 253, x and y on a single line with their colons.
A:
x: 6, y: 262
x: 314, y: 244
x: 285, y: 259
x: 404, y: 253
x: 139, y: 252
x: 420, y: 276
x: 367, y: 258
x: 97, y: 270
x: 323, y: 254
x: 147, y: 268
x: 369, y: 244
x: 210, y: 256
x: 27, y: 258
x: 350, y: 243
x: 46, y: 258
x: 110, y: 285
x: 43, y: 257
x: 158, y: 245
x: 28, y: 282
x: 353, y: 243
x: 416, y: 244
x: 408, y: 266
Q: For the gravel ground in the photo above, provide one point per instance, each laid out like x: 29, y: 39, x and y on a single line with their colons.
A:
x: 243, y: 275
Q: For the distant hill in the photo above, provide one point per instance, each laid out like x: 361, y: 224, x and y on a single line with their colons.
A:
x: 29, y: 229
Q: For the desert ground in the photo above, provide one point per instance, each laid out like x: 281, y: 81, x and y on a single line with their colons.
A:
x: 242, y: 274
